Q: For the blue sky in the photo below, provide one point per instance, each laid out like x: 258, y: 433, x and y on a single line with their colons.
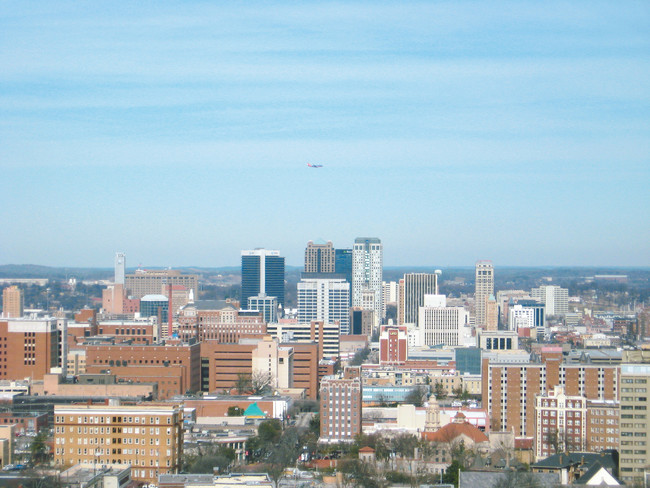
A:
x: 179, y: 132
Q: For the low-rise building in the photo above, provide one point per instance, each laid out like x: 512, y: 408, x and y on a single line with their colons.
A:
x: 146, y: 437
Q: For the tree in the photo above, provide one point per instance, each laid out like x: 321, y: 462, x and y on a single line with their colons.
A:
x: 38, y: 448
x: 243, y: 383
x: 360, y: 356
x: 451, y: 474
x: 269, y: 431
x: 235, y: 411
x: 416, y: 396
x: 261, y: 382
x: 439, y: 391
x: 214, y: 457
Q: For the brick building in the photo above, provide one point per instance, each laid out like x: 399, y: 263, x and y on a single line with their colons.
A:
x: 602, y: 425
x: 147, y: 437
x: 561, y: 423
x: 175, y: 366
x: 509, y: 389
x: 218, y: 320
x: 28, y: 348
x: 340, y: 412
x: 393, y: 345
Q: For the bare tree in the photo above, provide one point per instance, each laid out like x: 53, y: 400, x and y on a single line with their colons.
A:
x: 261, y: 382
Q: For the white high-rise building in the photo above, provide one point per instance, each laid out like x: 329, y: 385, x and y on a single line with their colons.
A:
x: 483, y: 288
x: 367, y: 272
x: 554, y: 298
x: 120, y: 268
x: 415, y: 286
x: 440, y: 324
x: 520, y: 317
x: 324, y: 299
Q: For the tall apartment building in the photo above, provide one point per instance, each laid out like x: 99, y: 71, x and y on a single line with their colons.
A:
x: 262, y: 274
x: 367, y: 272
x: 324, y: 299
x: 509, y: 388
x: 340, y: 412
x: 120, y: 268
x: 147, y: 437
x: 603, y: 430
x: 554, y: 298
x: 29, y: 348
x: 561, y: 423
x: 13, y: 302
x: 634, y: 461
x: 483, y: 288
x: 155, y: 282
x: 320, y: 257
x: 440, y: 324
x: 411, y: 296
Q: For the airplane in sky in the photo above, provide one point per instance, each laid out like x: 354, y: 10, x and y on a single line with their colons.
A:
x: 314, y: 165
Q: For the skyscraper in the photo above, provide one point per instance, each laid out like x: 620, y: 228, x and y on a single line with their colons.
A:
x: 415, y: 285
x: 12, y: 302
x: 483, y: 288
x: 262, y: 273
x: 120, y: 268
x: 320, y: 257
x: 367, y: 273
x: 326, y: 300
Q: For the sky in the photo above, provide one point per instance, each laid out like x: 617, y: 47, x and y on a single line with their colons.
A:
x: 180, y: 132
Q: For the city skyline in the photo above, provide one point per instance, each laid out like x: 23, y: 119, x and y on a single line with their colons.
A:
x: 516, y: 133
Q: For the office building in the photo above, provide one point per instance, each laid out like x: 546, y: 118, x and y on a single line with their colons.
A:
x: 340, y: 412
x: 262, y: 274
x: 343, y: 265
x: 491, y: 314
x: 520, y: 317
x: 326, y: 335
x: 320, y: 257
x: 155, y: 306
x: 411, y: 296
x: 120, y: 268
x: 483, y: 288
x: 155, y: 282
x: 267, y: 306
x: 147, y: 437
x: 440, y: 324
x: 174, y: 366
x: 634, y: 423
x: 367, y: 272
x: 326, y: 300
x: 361, y: 321
x: 554, y: 298
x: 29, y: 348
x: 12, y: 302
